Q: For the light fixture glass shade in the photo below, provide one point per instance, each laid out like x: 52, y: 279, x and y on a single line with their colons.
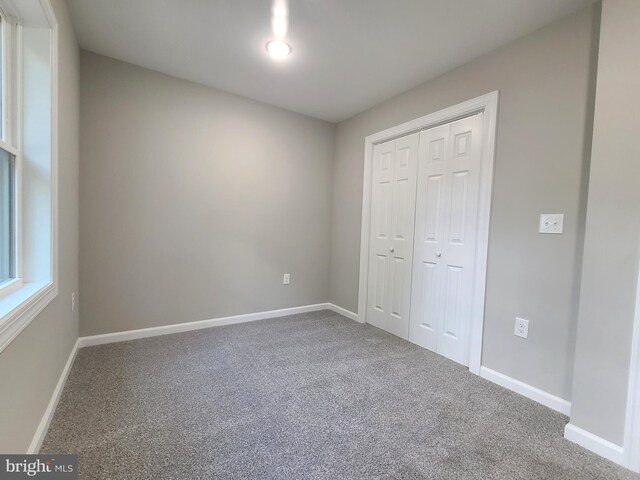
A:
x: 278, y: 49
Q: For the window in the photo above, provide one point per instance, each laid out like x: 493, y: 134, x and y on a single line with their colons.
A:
x: 2, y: 70
x: 7, y: 164
x: 7, y: 214
x: 28, y: 163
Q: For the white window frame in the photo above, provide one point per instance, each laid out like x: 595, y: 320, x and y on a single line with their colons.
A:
x: 22, y: 300
x: 9, y: 140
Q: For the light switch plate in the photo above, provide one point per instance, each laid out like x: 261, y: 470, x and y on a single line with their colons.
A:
x: 286, y: 279
x: 551, y: 223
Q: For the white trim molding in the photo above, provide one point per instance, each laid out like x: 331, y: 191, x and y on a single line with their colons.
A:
x: 343, y: 311
x: 47, y: 7
x: 592, y: 442
x: 19, y: 308
x: 548, y: 400
x: 43, y: 426
x: 632, y: 419
x: 200, y: 324
x: 488, y: 104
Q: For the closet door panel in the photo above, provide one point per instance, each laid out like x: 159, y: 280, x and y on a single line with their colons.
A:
x: 446, y: 220
x: 461, y: 216
x: 381, y: 209
x: 392, y: 237
x: 426, y: 301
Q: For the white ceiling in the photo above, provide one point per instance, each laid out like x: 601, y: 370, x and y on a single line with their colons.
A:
x: 348, y: 55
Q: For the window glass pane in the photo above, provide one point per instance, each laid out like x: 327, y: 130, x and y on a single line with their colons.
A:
x: 6, y: 216
x: 1, y: 78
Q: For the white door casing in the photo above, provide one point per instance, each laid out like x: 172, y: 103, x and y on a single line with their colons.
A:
x: 631, y: 445
x: 488, y: 104
x: 445, y: 244
x: 392, y: 233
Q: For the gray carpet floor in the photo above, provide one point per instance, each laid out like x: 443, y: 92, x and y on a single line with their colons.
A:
x: 310, y: 396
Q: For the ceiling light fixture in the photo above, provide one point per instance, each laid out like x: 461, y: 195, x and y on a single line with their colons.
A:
x: 279, y: 48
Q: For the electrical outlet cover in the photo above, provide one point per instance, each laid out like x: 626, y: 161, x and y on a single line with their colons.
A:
x: 551, y: 223
x: 522, y: 328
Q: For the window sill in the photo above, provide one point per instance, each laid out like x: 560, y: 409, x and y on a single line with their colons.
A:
x: 21, y: 306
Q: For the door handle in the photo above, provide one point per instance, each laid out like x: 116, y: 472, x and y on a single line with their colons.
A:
x: 438, y: 254
x: 392, y: 249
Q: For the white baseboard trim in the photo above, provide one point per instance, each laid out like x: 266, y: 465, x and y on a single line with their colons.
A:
x: 93, y: 340
x: 597, y: 445
x: 343, y: 311
x: 548, y: 400
x: 43, y: 426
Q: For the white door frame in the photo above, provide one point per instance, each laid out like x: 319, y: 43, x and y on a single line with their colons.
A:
x: 488, y: 104
x: 631, y: 446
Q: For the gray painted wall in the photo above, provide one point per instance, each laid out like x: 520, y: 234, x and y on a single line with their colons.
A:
x: 31, y: 365
x: 546, y: 83
x: 612, y: 240
x: 194, y: 202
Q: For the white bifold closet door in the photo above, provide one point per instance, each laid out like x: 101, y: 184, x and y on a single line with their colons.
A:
x: 395, y: 166
x: 446, y: 218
